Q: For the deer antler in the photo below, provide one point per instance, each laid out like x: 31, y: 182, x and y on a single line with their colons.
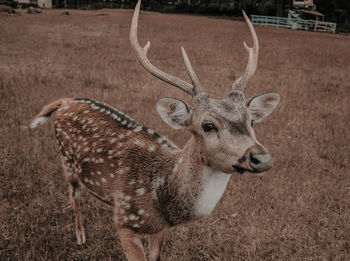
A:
x: 253, y: 52
x: 141, y: 54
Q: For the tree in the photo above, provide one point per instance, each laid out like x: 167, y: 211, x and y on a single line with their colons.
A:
x: 279, y: 4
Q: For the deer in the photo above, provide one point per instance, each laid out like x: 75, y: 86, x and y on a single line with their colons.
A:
x: 150, y: 183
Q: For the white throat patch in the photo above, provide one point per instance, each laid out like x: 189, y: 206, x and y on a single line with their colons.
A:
x: 213, y: 185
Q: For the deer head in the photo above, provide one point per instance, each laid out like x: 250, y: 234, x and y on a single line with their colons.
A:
x: 222, y: 128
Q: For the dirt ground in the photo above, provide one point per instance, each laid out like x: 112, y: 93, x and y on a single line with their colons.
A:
x: 299, y: 210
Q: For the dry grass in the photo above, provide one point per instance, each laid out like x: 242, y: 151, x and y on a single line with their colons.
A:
x: 298, y: 211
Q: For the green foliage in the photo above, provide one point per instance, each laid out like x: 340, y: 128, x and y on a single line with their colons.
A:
x: 335, y: 11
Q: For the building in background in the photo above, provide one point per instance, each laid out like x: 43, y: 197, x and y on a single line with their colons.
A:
x: 35, y: 3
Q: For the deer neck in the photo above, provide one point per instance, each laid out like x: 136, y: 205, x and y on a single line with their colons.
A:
x: 193, y: 189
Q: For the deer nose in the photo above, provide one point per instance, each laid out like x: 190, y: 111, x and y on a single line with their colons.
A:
x: 260, y: 162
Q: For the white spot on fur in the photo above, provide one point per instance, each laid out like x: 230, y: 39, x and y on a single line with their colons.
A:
x: 112, y: 140
x: 139, y: 143
x: 213, y: 185
x: 121, y: 136
x: 112, y: 175
x: 86, y: 160
x: 99, y: 150
x: 140, y: 211
x: 151, y: 148
x: 99, y: 173
x: 138, y: 128
x: 140, y: 191
x: 175, y: 168
x: 136, y: 225
x: 132, y: 216
x: 150, y: 131
x: 104, y: 180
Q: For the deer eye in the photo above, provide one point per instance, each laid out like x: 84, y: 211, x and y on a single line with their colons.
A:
x: 207, y: 127
x: 252, y: 123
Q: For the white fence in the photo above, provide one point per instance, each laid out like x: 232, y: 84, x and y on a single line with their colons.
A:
x: 294, y: 23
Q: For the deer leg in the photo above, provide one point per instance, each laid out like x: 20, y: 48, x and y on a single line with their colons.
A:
x: 155, y: 246
x: 74, y: 195
x: 132, y: 245
x: 74, y: 199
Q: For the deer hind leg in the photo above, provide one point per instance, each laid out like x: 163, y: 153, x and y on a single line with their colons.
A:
x: 74, y: 199
x: 132, y: 245
x: 155, y: 245
x: 74, y: 194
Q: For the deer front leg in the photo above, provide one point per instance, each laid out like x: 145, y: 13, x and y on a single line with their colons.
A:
x: 155, y: 246
x: 132, y: 245
x: 74, y: 196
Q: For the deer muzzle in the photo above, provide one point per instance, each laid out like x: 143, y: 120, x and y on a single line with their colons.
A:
x: 260, y: 162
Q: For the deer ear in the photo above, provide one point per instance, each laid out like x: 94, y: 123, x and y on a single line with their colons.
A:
x: 174, y: 112
x: 263, y: 105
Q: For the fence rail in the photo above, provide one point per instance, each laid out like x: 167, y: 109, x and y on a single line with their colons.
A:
x: 294, y: 23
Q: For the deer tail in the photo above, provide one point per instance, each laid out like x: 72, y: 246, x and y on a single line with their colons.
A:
x: 46, y: 112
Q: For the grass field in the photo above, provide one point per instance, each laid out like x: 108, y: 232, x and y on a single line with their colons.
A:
x: 300, y: 210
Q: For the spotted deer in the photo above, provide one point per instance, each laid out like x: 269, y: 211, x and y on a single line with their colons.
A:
x: 151, y: 183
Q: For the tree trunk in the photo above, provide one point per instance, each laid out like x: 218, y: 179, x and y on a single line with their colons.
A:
x: 279, y: 7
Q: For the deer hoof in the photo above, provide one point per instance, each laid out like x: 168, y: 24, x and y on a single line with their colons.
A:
x: 81, y: 239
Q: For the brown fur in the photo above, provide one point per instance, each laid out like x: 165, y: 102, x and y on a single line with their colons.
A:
x: 151, y: 184
x: 125, y: 165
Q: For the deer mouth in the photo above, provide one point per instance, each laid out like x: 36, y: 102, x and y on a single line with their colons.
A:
x: 241, y: 170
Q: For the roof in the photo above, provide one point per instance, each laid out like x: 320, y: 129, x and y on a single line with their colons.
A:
x: 312, y: 12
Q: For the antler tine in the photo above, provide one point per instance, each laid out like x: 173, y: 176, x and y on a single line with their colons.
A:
x: 197, y: 87
x: 253, y: 52
x: 141, y: 54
